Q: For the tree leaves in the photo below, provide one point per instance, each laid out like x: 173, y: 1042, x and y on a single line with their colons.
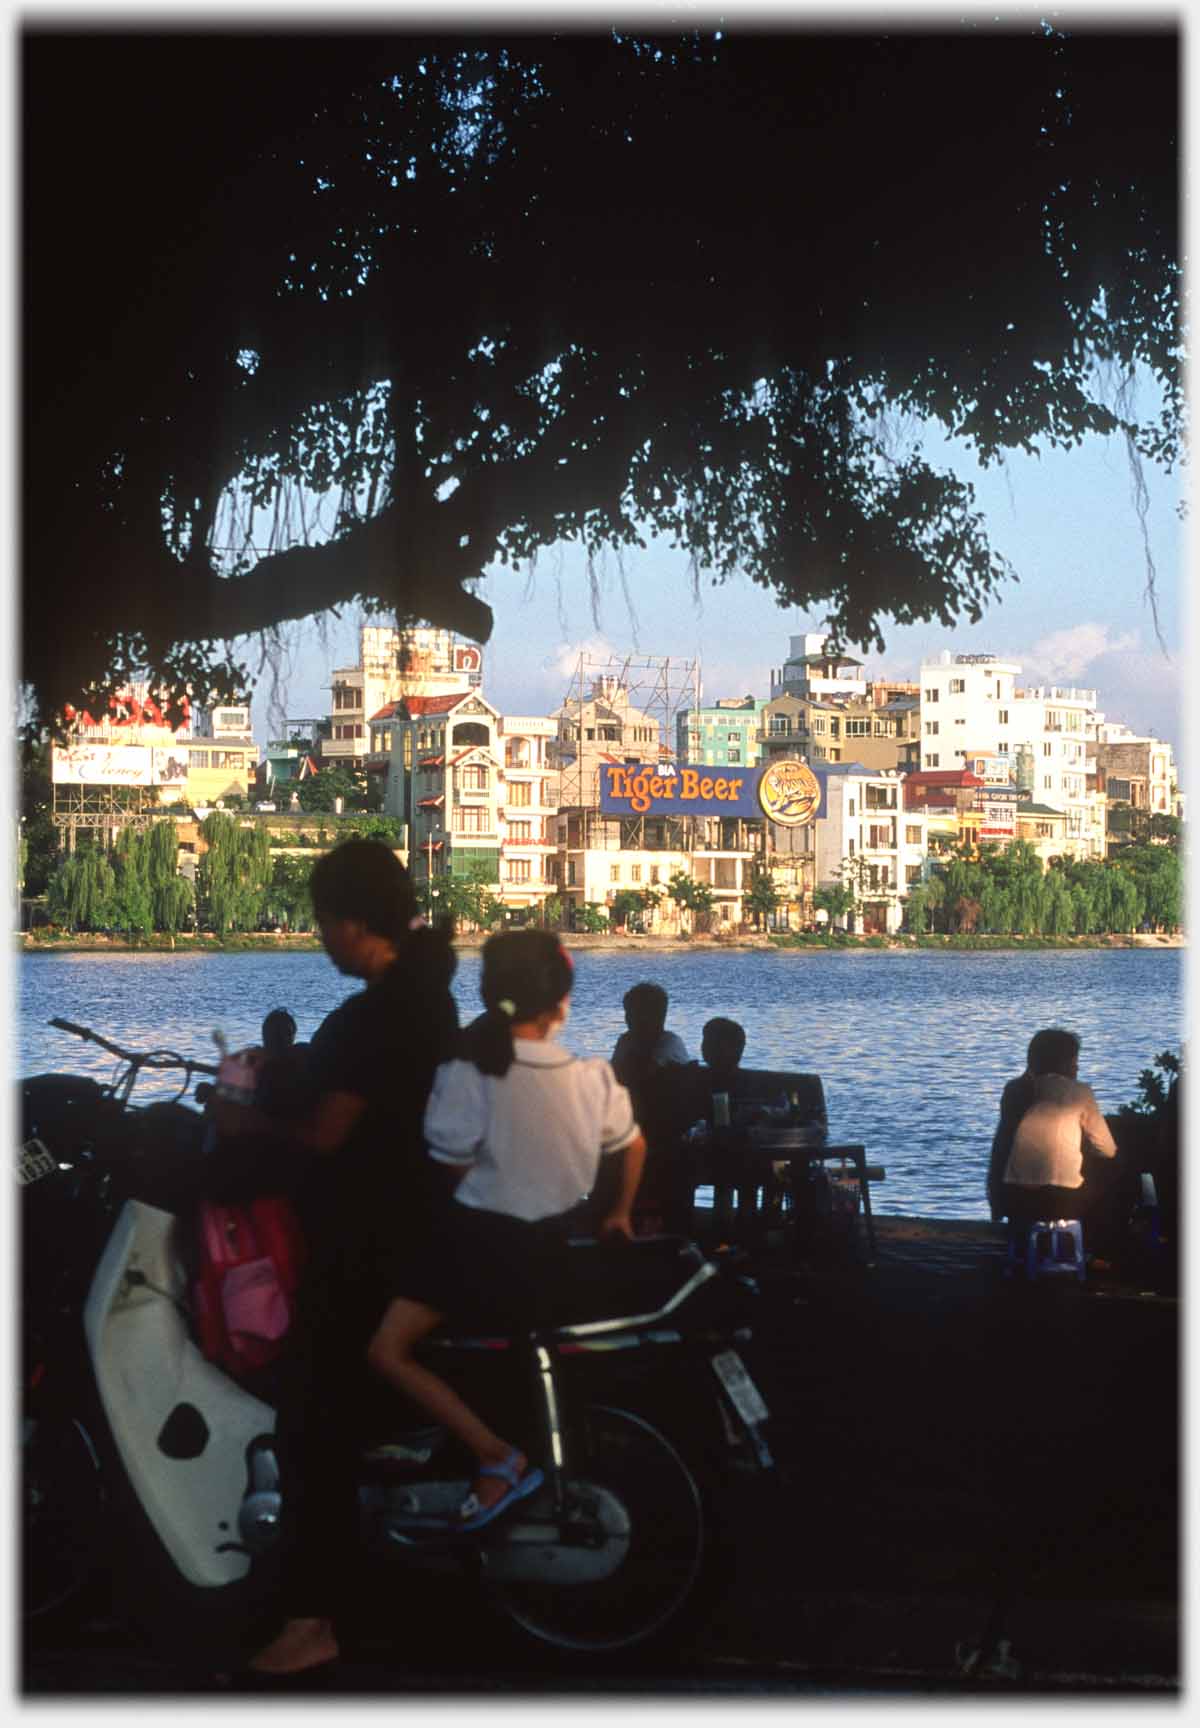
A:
x: 475, y: 295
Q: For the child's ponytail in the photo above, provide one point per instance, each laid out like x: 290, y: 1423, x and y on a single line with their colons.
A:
x: 525, y: 973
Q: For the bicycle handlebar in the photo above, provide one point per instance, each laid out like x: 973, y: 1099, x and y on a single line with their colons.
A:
x: 136, y: 1058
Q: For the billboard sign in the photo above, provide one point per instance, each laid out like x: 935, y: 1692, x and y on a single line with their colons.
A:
x: 102, y: 765
x: 999, y: 824
x: 992, y: 770
x: 170, y: 769
x: 789, y: 793
x: 468, y: 661
x: 793, y: 793
x: 230, y: 722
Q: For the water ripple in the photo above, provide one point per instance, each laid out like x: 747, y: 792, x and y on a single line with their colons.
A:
x: 913, y: 1048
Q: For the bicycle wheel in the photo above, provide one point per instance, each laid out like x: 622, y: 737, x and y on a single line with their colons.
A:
x: 632, y: 1500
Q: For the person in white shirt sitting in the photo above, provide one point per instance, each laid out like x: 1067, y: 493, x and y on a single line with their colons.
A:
x: 1063, y: 1158
x: 521, y: 1124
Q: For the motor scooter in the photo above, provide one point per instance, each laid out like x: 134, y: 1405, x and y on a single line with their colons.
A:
x: 637, y: 1404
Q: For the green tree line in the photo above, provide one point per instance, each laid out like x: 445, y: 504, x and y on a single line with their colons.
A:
x: 1007, y: 892
x: 135, y: 886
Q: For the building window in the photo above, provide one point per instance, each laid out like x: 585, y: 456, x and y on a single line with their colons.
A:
x: 931, y: 728
x: 1047, y: 781
x: 654, y: 872
x: 474, y: 777
x: 614, y: 872
x: 912, y: 835
x: 931, y: 695
x: 471, y: 819
x: 635, y: 874
x: 933, y: 760
x: 957, y: 686
x: 520, y: 792
x: 521, y: 832
x: 858, y: 728
x: 519, y: 869
x: 912, y: 873
x: 850, y: 807
x: 570, y: 872
x: 1002, y: 747
x: 1002, y: 716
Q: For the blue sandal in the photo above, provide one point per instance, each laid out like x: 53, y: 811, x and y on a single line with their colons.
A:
x: 474, y: 1516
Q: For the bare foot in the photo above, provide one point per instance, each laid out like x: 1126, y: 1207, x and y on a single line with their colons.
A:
x: 301, y: 1644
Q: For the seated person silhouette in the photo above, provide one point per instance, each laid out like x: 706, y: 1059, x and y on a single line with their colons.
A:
x: 646, y: 1044
x: 640, y: 1055
x: 1054, y: 1155
x: 674, y: 1098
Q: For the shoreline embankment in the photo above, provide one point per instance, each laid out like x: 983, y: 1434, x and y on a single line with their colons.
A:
x: 264, y: 942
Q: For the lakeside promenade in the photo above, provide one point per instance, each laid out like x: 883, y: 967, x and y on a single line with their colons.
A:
x: 980, y: 1498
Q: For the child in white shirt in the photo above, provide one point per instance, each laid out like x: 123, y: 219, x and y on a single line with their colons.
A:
x: 523, y: 1124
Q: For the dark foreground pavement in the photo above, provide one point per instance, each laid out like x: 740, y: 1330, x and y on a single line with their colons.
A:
x: 980, y: 1496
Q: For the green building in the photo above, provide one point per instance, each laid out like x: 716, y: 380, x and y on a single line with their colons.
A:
x: 723, y: 736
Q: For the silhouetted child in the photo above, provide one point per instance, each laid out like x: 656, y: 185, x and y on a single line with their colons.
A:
x: 522, y: 1124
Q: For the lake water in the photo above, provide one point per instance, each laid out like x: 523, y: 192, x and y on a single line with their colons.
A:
x: 913, y: 1048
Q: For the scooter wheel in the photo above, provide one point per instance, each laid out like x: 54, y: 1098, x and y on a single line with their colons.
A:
x: 631, y: 1493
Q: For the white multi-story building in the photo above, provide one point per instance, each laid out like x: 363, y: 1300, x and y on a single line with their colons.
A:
x: 972, y: 708
x: 866, y: 840
x: 528, y: 810
x: 418, y: 661
x: 476, y: 791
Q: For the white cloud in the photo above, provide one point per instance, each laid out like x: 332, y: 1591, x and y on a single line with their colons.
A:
x: 564, y: 661
x: 1065, y: 655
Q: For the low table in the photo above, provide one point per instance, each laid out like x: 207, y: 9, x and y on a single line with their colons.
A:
x: 767, y: 1144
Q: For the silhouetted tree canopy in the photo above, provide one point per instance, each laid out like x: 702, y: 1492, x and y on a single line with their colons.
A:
x: 485, y: 294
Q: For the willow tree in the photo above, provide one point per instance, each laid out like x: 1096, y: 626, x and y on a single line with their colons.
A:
x: 133, y: 903
x: 234, y: 873
x: 318, y: 319
x: 81, y: 892
x: 171, y: 894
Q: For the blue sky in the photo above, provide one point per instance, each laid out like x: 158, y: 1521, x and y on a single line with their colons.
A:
x: 1079, y: 615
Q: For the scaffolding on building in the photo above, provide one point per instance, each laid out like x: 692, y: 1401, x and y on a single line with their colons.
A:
x: 102, y: 811
x: 660, y: 687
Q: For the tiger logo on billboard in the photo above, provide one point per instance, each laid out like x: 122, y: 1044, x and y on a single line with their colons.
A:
x: 789, y: 793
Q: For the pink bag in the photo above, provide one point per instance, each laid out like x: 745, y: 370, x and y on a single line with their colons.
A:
x: 249, y: 1264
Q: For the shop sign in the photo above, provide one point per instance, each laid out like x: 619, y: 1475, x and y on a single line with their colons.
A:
x: 999, y: 821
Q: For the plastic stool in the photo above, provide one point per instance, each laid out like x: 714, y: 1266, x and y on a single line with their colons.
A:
x: 1054, y: 1249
